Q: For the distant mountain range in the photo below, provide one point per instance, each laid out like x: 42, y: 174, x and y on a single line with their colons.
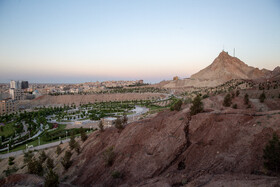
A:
x: 223, y: 69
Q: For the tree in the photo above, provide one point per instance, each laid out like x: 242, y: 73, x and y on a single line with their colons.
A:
x: 227, y: 100
x: 50, y: 164
x: 125, y: 119
x: 58, y: 150
x: 197, y: 106
x: 116, y: 174
x: 51, y: 179
x: 27, y: 157
x: 101, y: 126
x: 77, y: 148
x: 178, y: 105
x: 11, y: 161
x: 237, y: 93
x: 246, y: 99
x: 272, y: 154
x: 119, y: 124
x: 42, y: 156
x: 66, y: 162
x: 35, y: 167
x: 109, y: 156
x: 232, y: 95
x: 262, y: 97
x: 83, y: 134
x: 72, y: 142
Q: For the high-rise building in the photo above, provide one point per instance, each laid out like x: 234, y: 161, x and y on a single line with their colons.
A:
x: 24, y: 84
x: 15, y: 84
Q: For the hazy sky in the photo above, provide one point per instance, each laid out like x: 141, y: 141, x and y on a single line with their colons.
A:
x: 78, y: 41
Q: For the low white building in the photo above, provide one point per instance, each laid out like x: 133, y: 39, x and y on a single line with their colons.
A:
x: 108, y: 121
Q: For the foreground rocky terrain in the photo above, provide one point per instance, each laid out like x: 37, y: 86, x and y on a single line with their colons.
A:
x: 221, y: 146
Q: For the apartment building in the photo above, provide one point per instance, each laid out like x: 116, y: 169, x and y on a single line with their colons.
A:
x: 8, y: 106
x: 16, y: 94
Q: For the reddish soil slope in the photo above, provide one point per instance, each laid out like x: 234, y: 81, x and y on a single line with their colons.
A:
x: 170, y: 149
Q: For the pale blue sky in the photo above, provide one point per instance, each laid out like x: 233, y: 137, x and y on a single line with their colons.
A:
x: 78, y: 41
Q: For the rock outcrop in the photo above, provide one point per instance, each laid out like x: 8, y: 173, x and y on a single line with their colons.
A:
x: 226, y: 67
x: 172, y: 148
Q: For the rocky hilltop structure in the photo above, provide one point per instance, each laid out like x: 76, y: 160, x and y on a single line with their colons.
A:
x: 226, y: 67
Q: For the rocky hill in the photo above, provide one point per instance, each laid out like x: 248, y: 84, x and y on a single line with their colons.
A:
x: 173, y: 148
x: 275, y: 74
x: 220, y: 147
x: 226, y: 67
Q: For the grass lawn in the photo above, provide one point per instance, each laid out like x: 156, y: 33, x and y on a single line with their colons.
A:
x: 8, y: 130
x: 36, y: 143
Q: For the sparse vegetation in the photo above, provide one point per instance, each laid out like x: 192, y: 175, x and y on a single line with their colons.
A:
x: 109, y: 156
x: 272, y: 154
x: 83, y: 134
x: 72, y: 142
x: 119, y: 124
x: 124, y: 119
x: 262, y: 97
x: 50, y: 163
x: 101, y: 126
x: 237, y: 93
x: 10, y: 170
x: 66, y: 162
x: 51, y: 179
x: 27, y: 157
x: 197, y: 106
x: 35, y: 167
x: 11, y: 161
x: 176, y: 105
x: 116, y: 174
x: 181, y: 166
x: 58, y: 150
x: 246, y: 99
x: 42, y: 157
x: 227, y: 100
x: 77, y: 148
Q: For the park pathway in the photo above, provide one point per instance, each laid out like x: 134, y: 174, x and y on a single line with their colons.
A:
x: 16, y: 153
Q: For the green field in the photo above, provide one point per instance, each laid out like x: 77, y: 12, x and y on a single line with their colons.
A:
x: 8, y: 130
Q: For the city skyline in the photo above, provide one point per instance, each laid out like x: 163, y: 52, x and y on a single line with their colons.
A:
x: 83, y: 41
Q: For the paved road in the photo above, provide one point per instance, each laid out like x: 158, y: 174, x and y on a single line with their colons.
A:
x: 33, y: 137
x: 16, y: 153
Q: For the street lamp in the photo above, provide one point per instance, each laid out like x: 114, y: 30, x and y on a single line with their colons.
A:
x: 8, y: 148
x: 66, y: 135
